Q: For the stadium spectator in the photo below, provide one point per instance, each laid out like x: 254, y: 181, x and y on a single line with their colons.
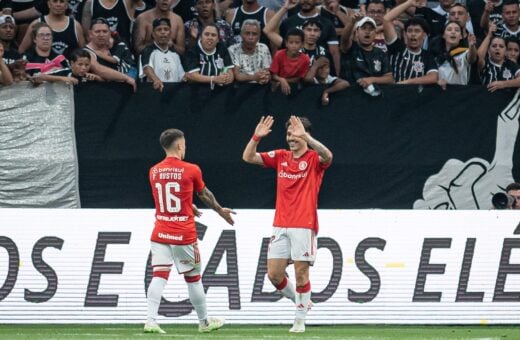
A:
x: 376, y: 10
x: 250, y: 10
x: 513, y: 189
x: 300, y: 173
x: 513, y: 49
x: 158, y: 62
x: 336, y: 13
x: 174, y: 238
x: 319, y: 74
x: 510, y: 26
x: 434, y: 19
x: 496, y: 72
x: 143, y: 27
x: 67, y: 33
x: 80, y: 66
x: 328, y: 38
x: 311, y: 34
x: 43, y: 63
x: 75, y: 9
x: 6, y: 77
x: 455, y: 61
x: 251, y: 58
x: 7, y: 38
x: 119, y: 14
x: 411, y: 64
x: 363, y: 63
x: 108, y: 52
x: 484, y: 11
x: 209, y: 61
x: 207, y: 15
x: 459, y: 14
x: 290, y: 65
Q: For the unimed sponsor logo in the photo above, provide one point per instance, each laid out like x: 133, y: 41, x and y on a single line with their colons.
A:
x: 167, y: 236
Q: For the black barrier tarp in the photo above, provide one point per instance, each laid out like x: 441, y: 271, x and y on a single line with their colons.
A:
x: 385, y: 148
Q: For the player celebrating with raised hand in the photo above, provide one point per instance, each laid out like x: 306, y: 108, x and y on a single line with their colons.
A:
x: 174, y: 238
x: 300, y: 172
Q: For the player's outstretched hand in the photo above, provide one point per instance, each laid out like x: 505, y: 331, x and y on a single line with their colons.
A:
x: 226, y: 213
x: 264, y: 126
x: 297, y: 128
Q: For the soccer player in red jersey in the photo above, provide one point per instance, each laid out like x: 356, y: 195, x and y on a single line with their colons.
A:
x: 300, y: 172
x: 174, y: 237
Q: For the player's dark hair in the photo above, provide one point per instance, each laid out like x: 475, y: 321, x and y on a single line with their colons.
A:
x: 294, y: 32
x: 79, y: 53
x: 513, y: 186
x: 169, y: 137
x: 307, y: 125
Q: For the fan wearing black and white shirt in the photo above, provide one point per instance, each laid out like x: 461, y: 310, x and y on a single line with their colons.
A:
x: 410, y: 63
x: 158, y: 62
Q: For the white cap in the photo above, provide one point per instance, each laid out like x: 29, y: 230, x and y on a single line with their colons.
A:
x: 6, y: 19
x: 364, y: 20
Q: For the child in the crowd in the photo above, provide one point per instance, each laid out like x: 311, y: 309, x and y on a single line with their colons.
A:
x: 289, y: 65
x: 513, y: 49
x: 80, y: 66
x: 319, y: 73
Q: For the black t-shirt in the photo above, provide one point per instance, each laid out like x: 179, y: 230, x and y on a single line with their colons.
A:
x: 197, y: 60
x: 61, y: 67
x: 11, y: 55
x: 493, y: 72
x: 328, y: 32
x: 407, y: 64
x: 476, y: 9
x: 358, y: 63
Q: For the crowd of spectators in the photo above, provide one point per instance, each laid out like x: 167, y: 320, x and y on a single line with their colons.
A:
x: 284, y: 44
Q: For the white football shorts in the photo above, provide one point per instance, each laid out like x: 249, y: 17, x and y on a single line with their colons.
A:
x: 295, y: 244
x: 185, y: 257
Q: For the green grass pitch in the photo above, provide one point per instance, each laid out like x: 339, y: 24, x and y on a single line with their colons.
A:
x: 365, y: 332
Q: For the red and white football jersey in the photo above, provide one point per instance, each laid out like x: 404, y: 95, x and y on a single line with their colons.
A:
x: 173, y: 183
x: 297, y: 186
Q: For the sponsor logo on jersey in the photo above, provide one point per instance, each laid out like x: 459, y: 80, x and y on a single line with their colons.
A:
x: 167, y: 236
x: 283, y: 174
x: 283, y: 164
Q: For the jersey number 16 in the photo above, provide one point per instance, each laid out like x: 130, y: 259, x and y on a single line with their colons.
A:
x: 167, y: 197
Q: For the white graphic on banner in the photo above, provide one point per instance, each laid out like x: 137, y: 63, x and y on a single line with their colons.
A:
x: 471, y: 184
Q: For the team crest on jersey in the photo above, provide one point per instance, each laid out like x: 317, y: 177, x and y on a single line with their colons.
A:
x: 377, y: 65
x: 270, y: 154
x: 418, y: 66
x: 506, y: 74
x: 302, y: 165
x: 219, y: 62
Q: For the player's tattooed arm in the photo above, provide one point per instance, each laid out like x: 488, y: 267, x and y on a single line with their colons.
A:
x: 298, y: 130
x: 209, y: 200
x: 324, y: 153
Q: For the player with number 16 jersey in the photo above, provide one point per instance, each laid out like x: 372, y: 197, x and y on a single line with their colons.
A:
x: 173, y: 183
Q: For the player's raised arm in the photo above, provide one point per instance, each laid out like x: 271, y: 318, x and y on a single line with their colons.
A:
x: 209, y: 199
x: 262, y: 129
x: 299, y: 131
